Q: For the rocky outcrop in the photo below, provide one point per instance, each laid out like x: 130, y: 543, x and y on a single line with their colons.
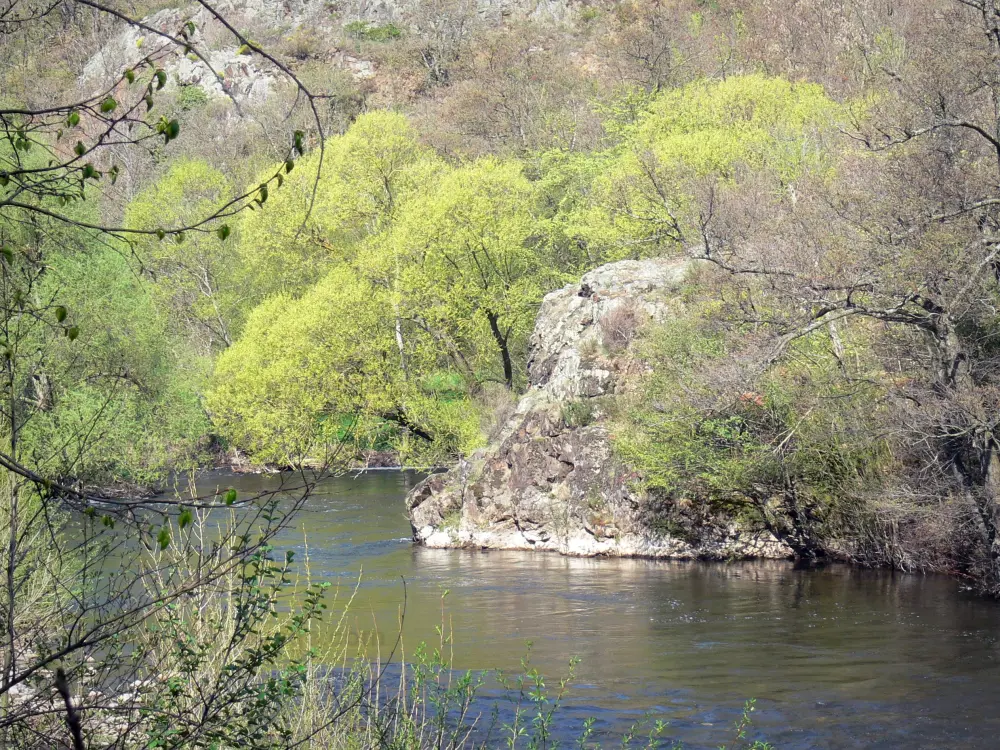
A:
x: 551, y: 481
x: 226, y: 74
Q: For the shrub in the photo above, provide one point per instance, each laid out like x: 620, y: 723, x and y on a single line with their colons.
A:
x: 618, y: 327
x: 363, y: 30
x: 192, y: 96
x: 578, y: 413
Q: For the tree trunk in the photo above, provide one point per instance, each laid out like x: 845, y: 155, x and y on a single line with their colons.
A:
x: 501, y: 339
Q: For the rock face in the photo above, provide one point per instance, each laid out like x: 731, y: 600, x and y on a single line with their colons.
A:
x: 550, y: 481
x: 242, y: 78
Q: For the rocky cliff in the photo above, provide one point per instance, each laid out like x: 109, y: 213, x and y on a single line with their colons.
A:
x: 227, y: 74
x: 550, y: 481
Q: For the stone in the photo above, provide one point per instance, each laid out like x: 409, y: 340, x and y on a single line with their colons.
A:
x: 553, y: 483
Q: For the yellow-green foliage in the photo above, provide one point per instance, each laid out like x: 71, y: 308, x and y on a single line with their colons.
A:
x: 197, y: 277
x: 303, y: 363
x: 711, y: 128
x: 313, y: 371
x: 366, y: 174
x: 640, y: 200
x: 471, y: 250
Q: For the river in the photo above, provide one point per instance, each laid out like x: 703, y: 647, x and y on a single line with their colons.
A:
x: 836, y: 657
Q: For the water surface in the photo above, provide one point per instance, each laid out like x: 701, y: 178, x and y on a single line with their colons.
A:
x: 836, y: 658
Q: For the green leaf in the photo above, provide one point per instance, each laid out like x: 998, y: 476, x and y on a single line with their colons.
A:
x: 79, y: 148
x: 230, y: 496
x: 161, y: 79
x: 223, y: 232
x: 160, y: 234
x: 149, y: 102
x: 163, y: 538
x: 108, y: 521
x: 7, y: 254
x: 73, y: 119
x: 172, y: 130
x: 244, y: 50
x: 72, y: 332
x: 109, y: 105
x: 298, y: 141
x: 289, y: 166
x: 262, y: 194
x: 185, y: 518
x: 61, y: 313
x: 130, y: 76
x: 139, y: 41
x: 4, y: 179
x: 179, y: 237
x: 190, y: 27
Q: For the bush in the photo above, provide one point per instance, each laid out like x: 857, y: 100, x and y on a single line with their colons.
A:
x: 791, y: 448
x: 579, y: 413
x: 191, y: 97
x: 618, y: 327
x: 363, y: 30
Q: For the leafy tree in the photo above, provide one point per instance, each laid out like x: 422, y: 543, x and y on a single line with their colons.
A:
x: 196, y: 275
x: 475, y: 266
x: 309, y: 370
x: 368, y: 173
x: 649, y: 193
x: 121, y: 399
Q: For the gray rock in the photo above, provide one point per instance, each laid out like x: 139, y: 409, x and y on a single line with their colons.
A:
x: 248, y: 78
x: 551, y: 482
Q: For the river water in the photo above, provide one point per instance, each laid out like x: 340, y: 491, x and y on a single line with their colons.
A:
x: 836, y: 657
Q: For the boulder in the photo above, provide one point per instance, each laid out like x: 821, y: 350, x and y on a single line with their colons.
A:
x: 551, y: 480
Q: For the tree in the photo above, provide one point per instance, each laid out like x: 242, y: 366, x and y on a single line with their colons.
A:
x: 520, y: 90
x: 917, y: 255
x: 444, y: 29
x: 644, y: 195
x: 475, y: 266
x: 309, y: 373
x: 368, y: 173
x: 196, y: 275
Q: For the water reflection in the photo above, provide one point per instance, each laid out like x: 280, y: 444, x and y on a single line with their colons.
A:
x: 837, y: 657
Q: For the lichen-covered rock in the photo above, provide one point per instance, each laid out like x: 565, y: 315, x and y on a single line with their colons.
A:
x: 550, y: 481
